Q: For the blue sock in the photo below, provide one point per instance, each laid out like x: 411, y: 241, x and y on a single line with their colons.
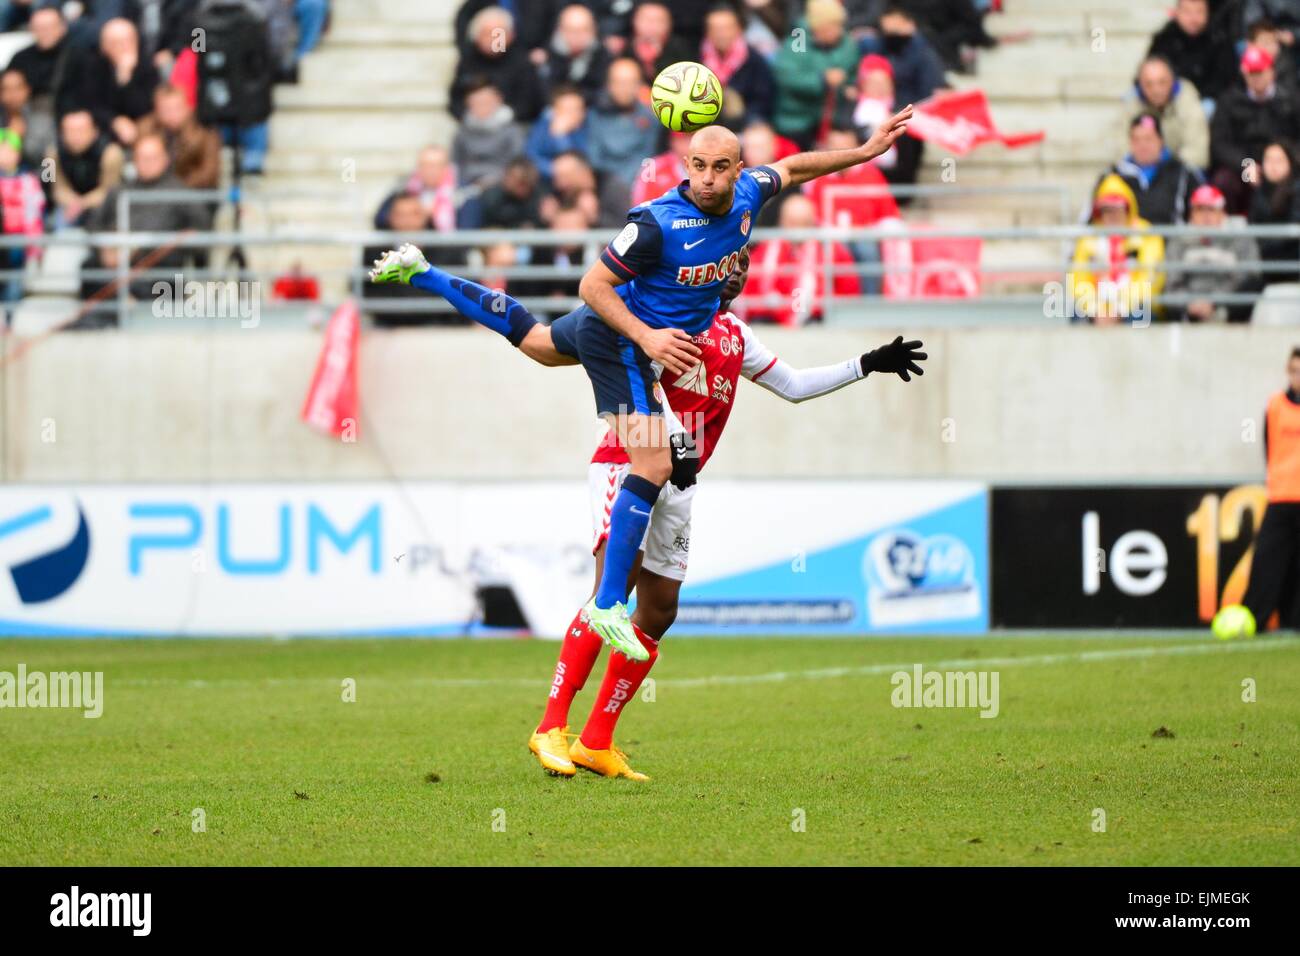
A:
x: 487, y: 307
x: 627, y: 523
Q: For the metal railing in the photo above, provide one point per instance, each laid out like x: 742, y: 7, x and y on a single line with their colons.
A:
x: 1019, y: 283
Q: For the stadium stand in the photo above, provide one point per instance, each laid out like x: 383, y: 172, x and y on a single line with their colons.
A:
x: 395, y: 100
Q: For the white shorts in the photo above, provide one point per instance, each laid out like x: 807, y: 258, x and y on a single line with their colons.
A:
x: 667, y: 542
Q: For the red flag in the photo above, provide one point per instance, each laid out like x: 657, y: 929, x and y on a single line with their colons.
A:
x: 331, y: 405
x: 959, y: 120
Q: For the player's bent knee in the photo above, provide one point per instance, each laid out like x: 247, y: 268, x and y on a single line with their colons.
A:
x: 539, y: 347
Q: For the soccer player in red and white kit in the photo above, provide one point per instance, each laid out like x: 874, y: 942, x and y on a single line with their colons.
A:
x: 700, y: 400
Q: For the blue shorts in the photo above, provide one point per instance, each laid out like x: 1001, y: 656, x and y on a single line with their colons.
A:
x: 621, y: 374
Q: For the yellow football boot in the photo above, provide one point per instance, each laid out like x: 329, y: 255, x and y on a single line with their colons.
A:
x: 607, y: 763
x: 552, y: 751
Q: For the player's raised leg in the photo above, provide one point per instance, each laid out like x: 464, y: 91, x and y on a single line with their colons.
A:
x: 488, y: 307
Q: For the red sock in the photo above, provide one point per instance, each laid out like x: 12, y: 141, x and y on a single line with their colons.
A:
x: 578, y: 655
x: 622, y: 678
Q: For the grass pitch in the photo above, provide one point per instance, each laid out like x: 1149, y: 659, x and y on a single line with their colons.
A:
x: 744, y: 738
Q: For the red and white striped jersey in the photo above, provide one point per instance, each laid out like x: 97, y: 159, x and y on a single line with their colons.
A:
x: 702, y: 398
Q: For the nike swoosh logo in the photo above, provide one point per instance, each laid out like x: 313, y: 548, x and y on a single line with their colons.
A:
x: 692, y: 245
x: 643, y: 514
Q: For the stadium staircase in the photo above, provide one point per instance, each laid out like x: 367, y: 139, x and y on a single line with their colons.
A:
x: 1067, y: 79
x: 368, y: 98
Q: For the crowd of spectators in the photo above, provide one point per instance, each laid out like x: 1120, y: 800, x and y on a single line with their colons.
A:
x: 555, y: 129
x: 105, y: 98
x: 1211, y: 122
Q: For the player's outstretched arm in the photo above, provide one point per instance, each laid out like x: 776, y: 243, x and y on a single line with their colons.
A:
x: 672, y: 348
x: 802, y: 167
x: 800, y: 384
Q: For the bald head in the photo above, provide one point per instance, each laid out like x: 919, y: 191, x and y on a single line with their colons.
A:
x: 716, y: 141
x: 713, y: 165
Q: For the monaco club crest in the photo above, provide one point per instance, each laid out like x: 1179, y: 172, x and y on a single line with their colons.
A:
x: 744, y: 224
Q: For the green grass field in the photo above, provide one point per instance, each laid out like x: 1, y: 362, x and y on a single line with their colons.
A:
x: 741, y: 735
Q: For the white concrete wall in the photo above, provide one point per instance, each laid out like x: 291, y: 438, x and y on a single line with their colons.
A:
x: 1062, y: 404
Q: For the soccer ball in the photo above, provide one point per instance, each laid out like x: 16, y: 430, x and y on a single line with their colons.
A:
x: 686, y: 96
x: 1232, y: 622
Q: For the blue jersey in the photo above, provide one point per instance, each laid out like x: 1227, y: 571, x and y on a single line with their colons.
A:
x: 676, y: 258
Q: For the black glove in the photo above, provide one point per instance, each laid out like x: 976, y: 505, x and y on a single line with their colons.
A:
x: 898, y: 356
x: 686, y: 461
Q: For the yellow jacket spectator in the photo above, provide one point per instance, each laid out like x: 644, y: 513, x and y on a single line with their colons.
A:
x: 1115, y: 278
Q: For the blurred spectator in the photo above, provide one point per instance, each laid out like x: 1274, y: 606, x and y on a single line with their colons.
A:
x: 311, y: 16
x: 195, y: 149
x: 1266, y: 35
x: 87, y: 165
x: 567, y: 218
x: 174, y: 36
x: 574, y: 182
x: 748, y: 90
x: 576, y: 57
x: 515, y: 202
x: 22, y: 205
x: 622, y: 132
x: 955, y: 28
x: 1276, y: 201
x: 404, y: 213
x: 687, y: 20
x: 1199, y: 54
x: 868, y: 205
x: 918, y: 72
x: 867, y: 103
x: 281, y: 33
x: 434, y: 183
x: 562, y: 127
x: 1177, y: 105
x: 36, y: 127
x: 1284, y: 15
x: 769, y: 25
x: 787, y: 278
x: 14, y: 14
x: 653, y: 42
x: 116, y: 84
x: 1246, y: 119
x: 152, y: 174
x: 1222, y: 252
x: 817, y: 59
x: 437, y: 201
x: 759, y: 146
x: 488, y: 138
x: 1115, y: 278
x: 45, y: 63
x: 1162, y: 183
x: 664, y: 172
x: 491, y: 55
x: 534, y: 30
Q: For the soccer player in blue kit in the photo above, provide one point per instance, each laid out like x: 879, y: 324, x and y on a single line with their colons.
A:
x: 657, y: 284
